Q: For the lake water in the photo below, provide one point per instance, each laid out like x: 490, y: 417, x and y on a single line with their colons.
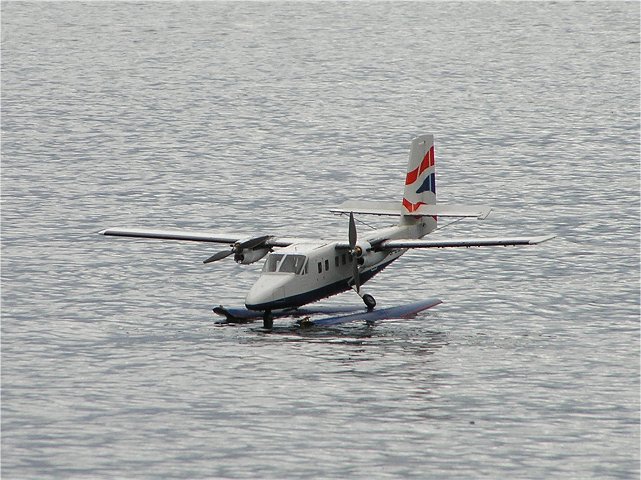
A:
x: 257, y: 118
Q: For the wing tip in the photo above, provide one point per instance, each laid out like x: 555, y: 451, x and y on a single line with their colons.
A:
x: 483, y: 214
x: 541, y: 239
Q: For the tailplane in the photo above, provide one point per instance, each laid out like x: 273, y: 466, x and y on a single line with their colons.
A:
x: 419, y: 196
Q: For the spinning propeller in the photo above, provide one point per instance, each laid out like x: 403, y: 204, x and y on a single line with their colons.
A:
x: 354, y: 250
x: 358, y: 251
x: 238, y: 248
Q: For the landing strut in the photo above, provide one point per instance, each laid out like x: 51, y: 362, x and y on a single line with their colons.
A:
x: 268, y: 320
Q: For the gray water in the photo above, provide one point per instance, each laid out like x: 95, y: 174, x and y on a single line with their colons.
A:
x: 258, y: 117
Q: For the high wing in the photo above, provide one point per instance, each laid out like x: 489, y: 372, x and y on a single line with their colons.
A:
x: 245, y: 249
x: 462, y: 242
x: 194, y: 236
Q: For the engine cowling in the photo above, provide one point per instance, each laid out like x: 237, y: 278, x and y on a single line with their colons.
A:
x: 371, y: 258
x: 362, y: 249
x: 365, y: 256
x: 247, y: 256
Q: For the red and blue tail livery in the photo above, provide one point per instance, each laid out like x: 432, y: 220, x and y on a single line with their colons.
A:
x: 420, y: 181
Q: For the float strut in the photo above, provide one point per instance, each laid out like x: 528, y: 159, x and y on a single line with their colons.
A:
x: 268, y: 320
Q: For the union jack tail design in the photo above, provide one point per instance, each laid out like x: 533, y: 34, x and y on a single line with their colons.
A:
x: 420, y: 182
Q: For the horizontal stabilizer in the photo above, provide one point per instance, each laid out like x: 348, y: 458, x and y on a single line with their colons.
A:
x: 463, y: 242
x: 443, y: 210
x: 368, y: 207
x: 394, y: 208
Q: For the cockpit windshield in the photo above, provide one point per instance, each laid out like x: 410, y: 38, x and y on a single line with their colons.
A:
x: 292, y: 264
x: 273, y: 259
x: 277, y: 262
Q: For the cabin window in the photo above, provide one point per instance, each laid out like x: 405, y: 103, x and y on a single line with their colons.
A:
x: 326, y: 265
x: 336, y: 261
x: 343, y: 259
x: 320, y: 267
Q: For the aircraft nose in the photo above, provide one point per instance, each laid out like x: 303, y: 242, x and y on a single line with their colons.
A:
x: 266, y: 292
x: 256, y: 298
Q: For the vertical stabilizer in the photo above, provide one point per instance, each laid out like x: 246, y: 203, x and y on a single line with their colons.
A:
x: 420, y: 182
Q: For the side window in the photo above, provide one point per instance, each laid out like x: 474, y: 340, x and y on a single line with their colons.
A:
x: 326, y: 265
x: 336, y: 261
x: 320, y: 267
x: 343, y: 259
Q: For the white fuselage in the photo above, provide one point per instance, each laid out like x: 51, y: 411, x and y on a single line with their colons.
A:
x: 306, y: 272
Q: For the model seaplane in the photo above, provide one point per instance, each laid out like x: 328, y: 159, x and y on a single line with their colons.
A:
x: 299, y: 271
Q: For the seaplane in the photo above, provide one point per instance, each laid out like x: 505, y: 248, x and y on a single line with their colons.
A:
x: 301, y: 271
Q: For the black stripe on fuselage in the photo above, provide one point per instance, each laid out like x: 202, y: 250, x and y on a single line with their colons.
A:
x: 320, y: 293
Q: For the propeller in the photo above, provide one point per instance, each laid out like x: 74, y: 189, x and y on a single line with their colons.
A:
x: 237, y: 248
x: 219, y: 256
x: 353, y: 248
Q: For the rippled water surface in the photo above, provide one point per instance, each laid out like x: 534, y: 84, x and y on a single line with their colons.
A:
x: 258, y: 117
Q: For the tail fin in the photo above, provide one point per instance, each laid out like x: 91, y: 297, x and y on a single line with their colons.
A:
x: 420, y: 182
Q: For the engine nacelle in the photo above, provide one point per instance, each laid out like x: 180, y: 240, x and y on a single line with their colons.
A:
x: 362, y: 249
x: 245, y: 257
x: 371, y: 258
